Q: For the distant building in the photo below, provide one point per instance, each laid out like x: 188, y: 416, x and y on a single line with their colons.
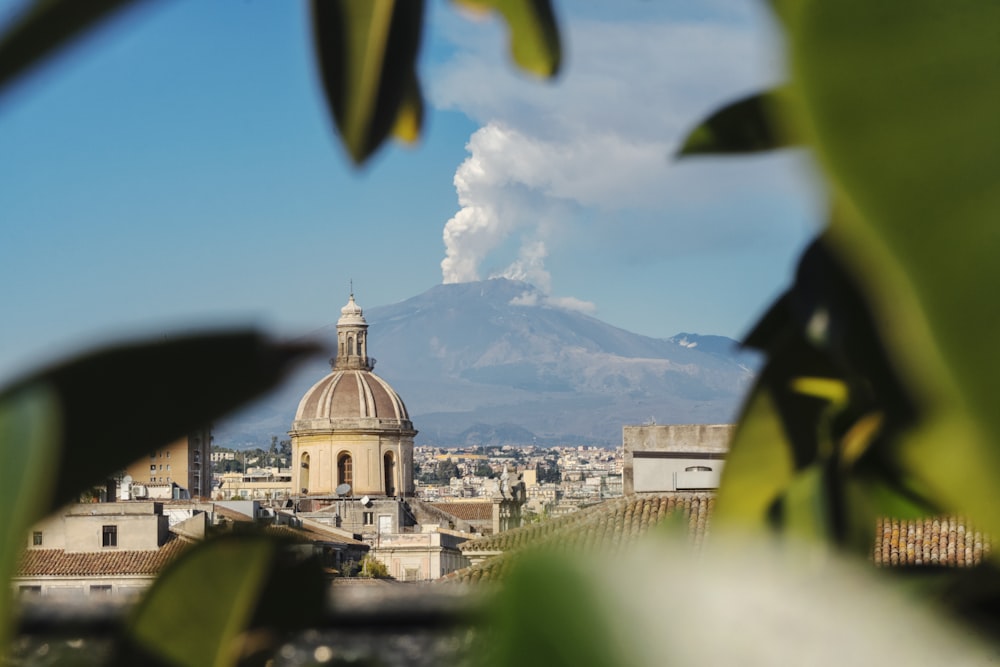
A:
x: 97, y: 549
x: 182, y: 469
x: 685, y: 457
x: 269, y: 484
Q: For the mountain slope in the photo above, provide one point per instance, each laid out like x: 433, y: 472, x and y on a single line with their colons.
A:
x: 491, y: 352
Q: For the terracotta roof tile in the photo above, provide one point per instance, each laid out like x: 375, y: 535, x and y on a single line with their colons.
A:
x: 478, y: 511
x: 607, y: 525
x: 59, y: 563
x: 941, y: 541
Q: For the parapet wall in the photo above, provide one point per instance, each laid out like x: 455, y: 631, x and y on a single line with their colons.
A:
x: 669, y: 450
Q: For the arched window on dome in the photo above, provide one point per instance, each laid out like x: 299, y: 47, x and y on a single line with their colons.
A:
x: 304, y: 473
x: 389, y: 468
x: 345, y: 469
x: 350, y: 345
x: 358, y: 349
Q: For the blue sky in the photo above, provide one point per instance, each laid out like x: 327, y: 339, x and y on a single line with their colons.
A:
x: 178, y: 169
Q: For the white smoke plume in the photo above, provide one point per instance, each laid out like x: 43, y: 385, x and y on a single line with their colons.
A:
x: 599, y: 142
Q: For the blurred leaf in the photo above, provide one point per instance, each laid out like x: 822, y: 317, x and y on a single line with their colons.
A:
x: 759, y: 466
x: 367, y: 53
x: 226, y: 599
x: 548, y: 614
x: 806, y: 509
x: 411, y: 113
x: 901, y: 103
x: 121, y: 403
x: 745, y: 126
x: 44, y: 28
x: 860, y: 436
x: 829, y: 389
x: 29, y: 433
x: 534, y: 34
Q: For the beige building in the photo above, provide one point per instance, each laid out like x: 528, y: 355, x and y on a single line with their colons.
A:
x: 181, y: 465
x: 351, y: 428
x: 269, y: 484
x: 98, y: 549
x: 421, y: 556
x: 682, y: 457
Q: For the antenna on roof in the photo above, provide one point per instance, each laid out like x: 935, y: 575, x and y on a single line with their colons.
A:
x: 352, y: 286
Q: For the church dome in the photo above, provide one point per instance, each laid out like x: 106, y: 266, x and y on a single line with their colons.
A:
x: 349, y: 396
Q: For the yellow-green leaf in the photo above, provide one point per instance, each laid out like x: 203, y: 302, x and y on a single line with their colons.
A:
x: 411, y: 114
x: 547, y: 614
x: 534, y: 35
x: 367, y: 53
x: 900, y: 100
x: 200, y: 608
x: 758, y: 469
x: 29, y: 441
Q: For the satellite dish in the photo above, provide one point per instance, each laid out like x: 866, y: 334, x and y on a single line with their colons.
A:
x: 127, y: 480
x: 365, y: 500
x: 343, y: 490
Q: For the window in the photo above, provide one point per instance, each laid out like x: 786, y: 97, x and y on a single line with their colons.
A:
x: 153, y: 455
x: 369, y: 518
x: 36, y: 538
x: 152, y: 468
x: 168, y: 453
x: 29, y: 591
x: 109, y: 536
x: 100, y: 589
x: 168, y: 467
x: 345, y: 469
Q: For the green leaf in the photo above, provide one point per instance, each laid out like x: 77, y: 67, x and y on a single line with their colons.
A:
x: 759, y: 467
x: 548, y: 614
x: 29, y: 443
x: 118, y: 404
x: 46, y: 27
x: 899, y: 99
x: 367, y: 57
x: 225, y: 599
x: 747, y: 125
x: 534, y: 34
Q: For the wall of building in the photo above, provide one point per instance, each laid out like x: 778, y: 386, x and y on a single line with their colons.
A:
x: 271, y: 484
x: 420, y: 556
x: 139, y: 526
x: 185, y: 462
x: 367, y: 453
x: 68, y: 588
x: 668, y: 457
